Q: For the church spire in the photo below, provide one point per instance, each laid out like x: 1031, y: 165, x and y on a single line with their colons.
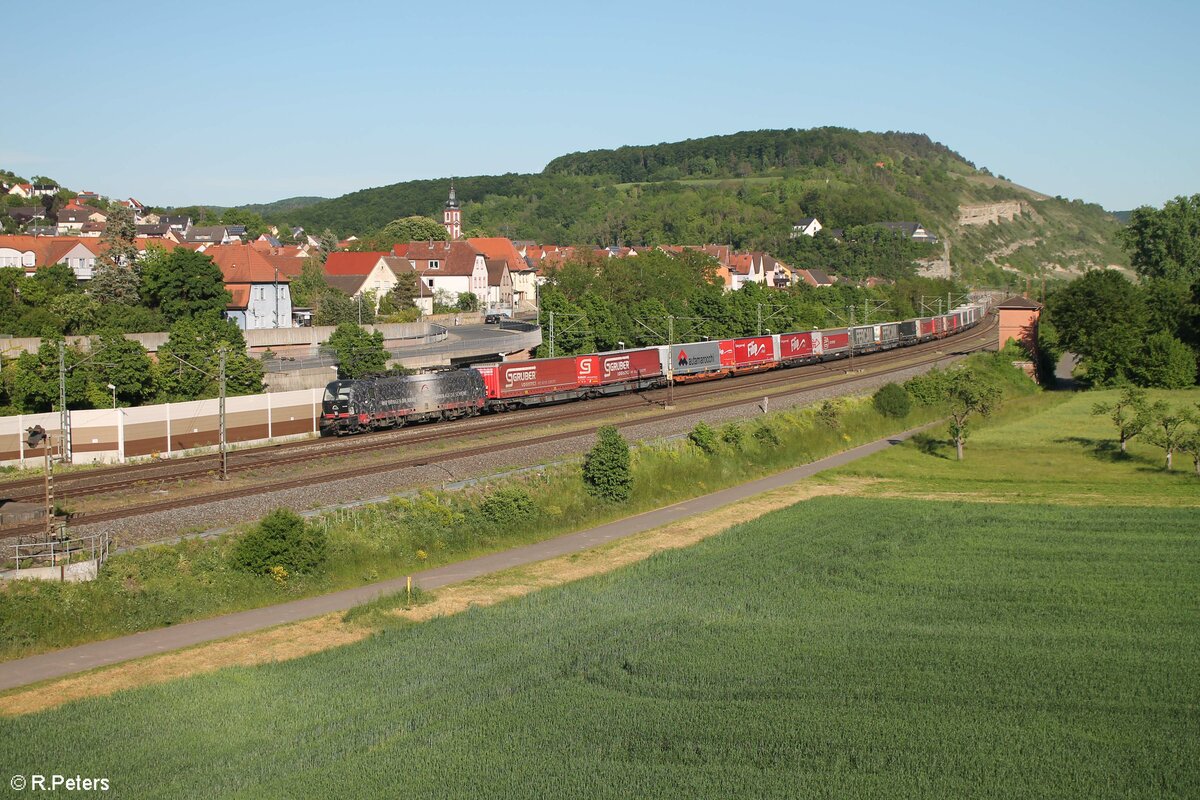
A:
x: 452, y: 216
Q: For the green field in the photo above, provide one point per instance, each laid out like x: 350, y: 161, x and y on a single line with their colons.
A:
x: 844, y: 647
x: 1043, y: 448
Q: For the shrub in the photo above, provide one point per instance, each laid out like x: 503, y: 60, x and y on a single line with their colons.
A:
x: 281, y: 540
x: 606, y: 470
x: 892, y: 401
x: 704, y: 437
x: 766, y: 436
x: 928, y: 389
x: 731, y: 434
x: 828, y: 414
x: 508, y: 507
x: 1165, y: 363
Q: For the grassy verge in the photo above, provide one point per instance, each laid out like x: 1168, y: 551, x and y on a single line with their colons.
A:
x: 845, y: 646
x: 160, y: 586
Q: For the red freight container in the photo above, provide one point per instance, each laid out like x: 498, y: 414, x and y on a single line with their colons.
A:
x: 926, y: 327
x: 747, y: 352
x: 799, y: 345
x: 629, y: 365
x: 521, y: 378
x: 834, y: 341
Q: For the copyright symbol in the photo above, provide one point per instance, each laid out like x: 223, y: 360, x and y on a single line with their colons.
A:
x: 17, y: 782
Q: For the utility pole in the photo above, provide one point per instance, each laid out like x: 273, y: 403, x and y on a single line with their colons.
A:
x: 64, y: 418
x: 50, y: 487
x: 552, y: 334
x: 670, y: 361
x: 758, y: 328
x: 850, y: 342
x: 224, y: 451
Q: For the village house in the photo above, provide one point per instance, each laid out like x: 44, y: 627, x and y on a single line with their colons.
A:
x: 33, y: 252
x: 356, y: 273
x: 261, y: 296
x: 31, y: 190
x: 809, y: 226
x: 451, y: 267
x: 500, y: 286
x: 73, y: 217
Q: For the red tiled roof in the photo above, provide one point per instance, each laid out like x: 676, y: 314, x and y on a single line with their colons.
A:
x: 240, y: 295
x: 48, y: 250
x: 498, y: 248
x: 456, y: 258
x: 400, y: 249
x: 241, y: 263
x: 287, y: 265
x: 347, y: 263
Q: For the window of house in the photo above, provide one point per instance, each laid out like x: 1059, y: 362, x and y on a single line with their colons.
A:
x: 435, y: 265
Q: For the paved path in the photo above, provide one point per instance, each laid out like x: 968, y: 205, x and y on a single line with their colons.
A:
x: 112, y: 651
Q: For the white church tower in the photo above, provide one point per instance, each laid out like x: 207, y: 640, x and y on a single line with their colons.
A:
x: 452, y: 216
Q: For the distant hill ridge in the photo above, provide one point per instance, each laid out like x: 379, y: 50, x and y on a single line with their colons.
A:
x: 748, y: 189
x: 742, y: 154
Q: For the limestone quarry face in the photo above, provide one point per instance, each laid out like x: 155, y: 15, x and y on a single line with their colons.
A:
x: 985, y: 213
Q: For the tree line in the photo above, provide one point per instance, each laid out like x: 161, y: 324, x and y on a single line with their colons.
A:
x: 1145, y: 333
x: 599, y: 303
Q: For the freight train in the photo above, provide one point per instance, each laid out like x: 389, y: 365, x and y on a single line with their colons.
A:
x: 354, y: 406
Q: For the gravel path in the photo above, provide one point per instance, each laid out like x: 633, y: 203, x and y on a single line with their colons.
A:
x: 207, y: 517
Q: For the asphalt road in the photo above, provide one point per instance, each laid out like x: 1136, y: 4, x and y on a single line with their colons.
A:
x: 112, y: 651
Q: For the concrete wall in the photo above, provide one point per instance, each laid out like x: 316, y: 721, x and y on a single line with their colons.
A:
x: 283, y: 341
x: 113, y: 435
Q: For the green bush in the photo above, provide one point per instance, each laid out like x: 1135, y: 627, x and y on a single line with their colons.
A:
x: 281, y: 539
x: 731, y: 434
x: 829, y: 414
x: 892, y: 401
x: 606, y: 467
x: 928, y: 389
x: 704, y: 437
x: 766, y: 436
x: 508, y: 507
x: 1165, y: 363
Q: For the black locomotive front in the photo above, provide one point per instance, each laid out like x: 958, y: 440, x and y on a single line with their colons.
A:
x: 337, y: 409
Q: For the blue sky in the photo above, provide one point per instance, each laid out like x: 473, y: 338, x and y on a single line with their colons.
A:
x: 229, y: 103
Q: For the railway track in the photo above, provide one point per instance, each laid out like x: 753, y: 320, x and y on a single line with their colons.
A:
x: 114, y: 479
x: 777, y: 383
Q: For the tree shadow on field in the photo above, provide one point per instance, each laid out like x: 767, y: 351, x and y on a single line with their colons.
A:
x: 1099, y: 449
x: 931, y: 445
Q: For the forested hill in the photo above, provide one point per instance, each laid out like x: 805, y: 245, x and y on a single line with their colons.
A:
x: 744, y: 154
x: 747, y: 190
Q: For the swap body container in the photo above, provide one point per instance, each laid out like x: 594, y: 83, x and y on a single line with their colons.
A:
x: 750, y: 351
x: 523, y: 378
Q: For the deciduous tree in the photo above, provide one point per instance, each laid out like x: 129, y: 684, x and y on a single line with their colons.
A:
x: 1101, y: 317
x: 402, y: 231
x: 189, y: 363
x: 1165, y: 243
x: 184, y: 284
x: 1130, y: 413
x: 359, y: 353
x: 1170, y: 428
x: 970, y: 393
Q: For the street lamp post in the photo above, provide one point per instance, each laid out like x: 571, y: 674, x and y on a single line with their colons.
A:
x: 113, y: 389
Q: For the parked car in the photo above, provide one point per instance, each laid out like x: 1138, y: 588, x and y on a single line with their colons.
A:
x: 494, y: 317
